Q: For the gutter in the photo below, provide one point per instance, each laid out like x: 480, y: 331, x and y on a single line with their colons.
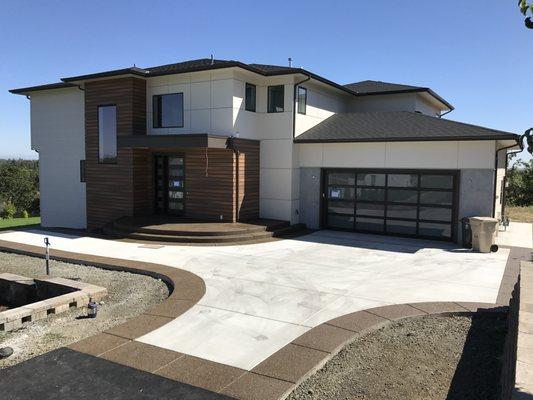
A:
x: 519, y: 143
x: 294, y: 103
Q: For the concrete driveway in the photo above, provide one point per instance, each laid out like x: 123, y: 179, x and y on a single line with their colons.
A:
x: 261, y: 297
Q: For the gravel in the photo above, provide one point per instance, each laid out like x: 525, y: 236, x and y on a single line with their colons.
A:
x: 431, y: 357
x: 128, y: 296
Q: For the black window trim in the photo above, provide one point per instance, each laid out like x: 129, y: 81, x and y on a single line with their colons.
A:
x: 246, y: 84
x: 298, y: 97
x: 159, y: 111
x: 113, y: 161
x: 268, y: 99
x: 82, y: 171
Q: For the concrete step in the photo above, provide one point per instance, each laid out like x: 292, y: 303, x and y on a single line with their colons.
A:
x: 242, y: 237
x: 183, y: 231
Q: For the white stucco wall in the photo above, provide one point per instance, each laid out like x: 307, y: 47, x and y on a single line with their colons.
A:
x: 321, y: 104
x: 395, y: 102
x: 207, y: 101
x: 428, y: 155
x: 58, y: 134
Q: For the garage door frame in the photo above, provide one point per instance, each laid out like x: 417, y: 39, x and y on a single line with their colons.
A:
x: 420, y: 172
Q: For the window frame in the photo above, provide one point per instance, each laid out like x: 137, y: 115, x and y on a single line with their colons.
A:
x: 246, y: 85
x: 160, y: 111
x: 269, y: 111
x: 82, y: 171
x: 100, y: 159
x: 304, y: 112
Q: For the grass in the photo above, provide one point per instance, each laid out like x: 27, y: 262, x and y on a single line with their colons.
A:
x: 19, y: 223
x: 520, y: 214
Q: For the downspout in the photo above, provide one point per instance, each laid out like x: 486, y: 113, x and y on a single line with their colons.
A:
x: 294, y: 103
x: 519, y: 143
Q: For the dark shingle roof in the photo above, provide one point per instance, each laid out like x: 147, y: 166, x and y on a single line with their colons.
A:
x: 395, y: 126
x: 379, y: 87
x: 204, y: 64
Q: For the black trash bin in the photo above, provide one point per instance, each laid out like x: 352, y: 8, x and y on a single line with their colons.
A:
x: 466, y: 232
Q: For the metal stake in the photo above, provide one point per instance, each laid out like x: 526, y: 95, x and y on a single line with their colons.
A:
x: 47, y: 244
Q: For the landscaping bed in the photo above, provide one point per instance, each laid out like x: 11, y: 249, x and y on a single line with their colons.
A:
x: 430, y: 357
x: 128, y: 296
x: 520, y: 214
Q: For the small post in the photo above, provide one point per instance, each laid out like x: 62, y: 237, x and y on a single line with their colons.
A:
x: 47, y: 244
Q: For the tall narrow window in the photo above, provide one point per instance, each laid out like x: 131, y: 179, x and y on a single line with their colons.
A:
x: 107, y: 134
x: 249, y: 100
x: 168, y: 110
x: 276, y: 95
x: 82, y: 171
x: 302, y: 100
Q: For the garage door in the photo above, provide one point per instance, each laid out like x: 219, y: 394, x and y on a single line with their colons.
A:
x: 395, y: 202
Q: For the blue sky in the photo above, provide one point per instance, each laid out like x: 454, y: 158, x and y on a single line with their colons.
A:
x: 478, y: 55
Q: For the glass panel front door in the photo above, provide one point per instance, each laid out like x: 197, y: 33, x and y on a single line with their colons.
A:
x: 169, y: 185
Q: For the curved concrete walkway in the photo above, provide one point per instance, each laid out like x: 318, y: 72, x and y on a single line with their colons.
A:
x: 261, y: 297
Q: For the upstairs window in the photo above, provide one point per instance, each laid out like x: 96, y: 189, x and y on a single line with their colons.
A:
x: 249, y: 97
x: 107, y: 134
x: 276, y: 98
x: 302, y: 100
x: 168, y: 110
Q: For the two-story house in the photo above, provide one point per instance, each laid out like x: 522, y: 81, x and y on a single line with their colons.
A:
x: 228, y: 141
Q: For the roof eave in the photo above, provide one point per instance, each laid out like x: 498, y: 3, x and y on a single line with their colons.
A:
x: 117, y: 72
x: 409, y: 139
x: 415, y: 90
x: 51, y: 86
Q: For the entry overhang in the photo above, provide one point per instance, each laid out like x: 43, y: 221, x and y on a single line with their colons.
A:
x: 171, y: 141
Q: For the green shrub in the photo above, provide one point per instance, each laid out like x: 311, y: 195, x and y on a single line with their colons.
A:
x: 25, y: 214
x: 9, y: 210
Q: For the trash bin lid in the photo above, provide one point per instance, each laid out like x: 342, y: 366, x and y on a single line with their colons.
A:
x: 482, y: 219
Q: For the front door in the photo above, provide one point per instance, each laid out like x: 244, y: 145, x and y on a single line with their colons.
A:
x: 170, y: 184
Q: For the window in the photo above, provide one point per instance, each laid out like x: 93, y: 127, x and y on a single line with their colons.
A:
x: 276, y: 96
x: 107, y: 134
x: 249, y: 97
x: 302, y: 100
x: 168, y: 110
x: 82, y: 171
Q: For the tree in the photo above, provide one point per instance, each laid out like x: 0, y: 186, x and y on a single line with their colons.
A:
x: 519, y: 189
x: 19, y: 185
x: 526, y: 8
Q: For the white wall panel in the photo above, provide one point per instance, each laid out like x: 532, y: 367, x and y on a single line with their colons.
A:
x: 58, y: 134
x: 428, y: 155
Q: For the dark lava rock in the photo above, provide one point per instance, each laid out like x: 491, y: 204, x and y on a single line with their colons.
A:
x: 5, y: 352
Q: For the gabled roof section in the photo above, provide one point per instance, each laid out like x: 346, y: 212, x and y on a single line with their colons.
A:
x: 396, y: 126
x: 369, y: 87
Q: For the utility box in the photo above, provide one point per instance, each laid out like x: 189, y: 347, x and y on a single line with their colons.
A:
x: 484, y: 233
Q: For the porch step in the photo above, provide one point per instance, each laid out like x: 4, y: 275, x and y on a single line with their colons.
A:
x: 181, y: 227
x: 218, y: 235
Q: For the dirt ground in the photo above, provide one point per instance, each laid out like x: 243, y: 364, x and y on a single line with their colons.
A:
x: 432, y: 357
x: 520, y: 214
x: 129, y: 295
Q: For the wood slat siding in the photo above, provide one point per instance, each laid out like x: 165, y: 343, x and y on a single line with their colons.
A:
x: 248, y: 184
x: 111, y: 192
x: 210, y: 184
x: 216, y: 183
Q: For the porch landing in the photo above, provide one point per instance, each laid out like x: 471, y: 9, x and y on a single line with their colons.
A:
x: 173, y: 230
